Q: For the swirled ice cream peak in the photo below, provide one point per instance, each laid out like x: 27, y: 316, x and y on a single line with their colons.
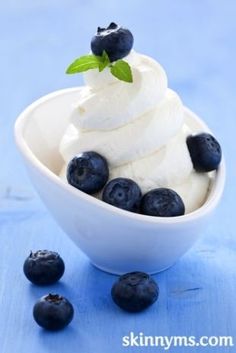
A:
x: 108, y: 103
x: 139, y: 127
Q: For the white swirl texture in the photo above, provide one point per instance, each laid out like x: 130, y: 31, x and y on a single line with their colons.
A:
x: 139, y: 127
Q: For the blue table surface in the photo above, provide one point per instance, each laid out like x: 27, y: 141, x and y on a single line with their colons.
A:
x: 195, y: 42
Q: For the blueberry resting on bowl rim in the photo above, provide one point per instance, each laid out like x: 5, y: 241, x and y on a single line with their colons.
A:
x: 162, y: 202
x: 123, y: 193
x: 205, y: 152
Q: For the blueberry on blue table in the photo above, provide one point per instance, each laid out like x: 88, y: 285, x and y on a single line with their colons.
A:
x: 53, y: 312
x: 116, y: 41
x: 162, y: 202
x: 44, y: 267
x: 135, y: 291
x: 205, y: 152
x: 88, y: 172
x: 123, y: 193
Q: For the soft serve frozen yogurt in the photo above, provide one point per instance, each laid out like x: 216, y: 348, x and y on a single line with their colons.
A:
x: 139, y: 127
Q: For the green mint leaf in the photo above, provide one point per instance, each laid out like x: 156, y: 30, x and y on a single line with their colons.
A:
x: 104, y: 61
x: 122, y: 71
x: 84, y: 63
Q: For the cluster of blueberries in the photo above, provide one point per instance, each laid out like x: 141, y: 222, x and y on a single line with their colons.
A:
x: 133, y: 292
x: 89, y: 172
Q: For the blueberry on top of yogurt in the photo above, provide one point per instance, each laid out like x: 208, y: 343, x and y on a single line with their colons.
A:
x: 116, y: 41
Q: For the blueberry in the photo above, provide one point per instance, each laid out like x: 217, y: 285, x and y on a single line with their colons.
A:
x: 135, y: 291
x: 53, y: 312
x: 162, y: 202
x: 88, y: 172
x: 123, y: 193
x: 205, y: 152
x: 43, y: 267
x: 116, y: 41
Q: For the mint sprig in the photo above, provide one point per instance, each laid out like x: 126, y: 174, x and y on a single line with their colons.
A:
x: 122, y: 71
x: 103, y: 61
x: 84, y: 63
x: 120, y: 68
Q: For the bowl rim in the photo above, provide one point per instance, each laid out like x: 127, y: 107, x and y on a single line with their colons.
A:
x: 22, y: 145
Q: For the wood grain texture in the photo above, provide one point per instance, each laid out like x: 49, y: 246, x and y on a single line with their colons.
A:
x: 195, y: 42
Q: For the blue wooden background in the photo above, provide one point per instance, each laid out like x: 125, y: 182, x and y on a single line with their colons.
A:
x: 195, y: 42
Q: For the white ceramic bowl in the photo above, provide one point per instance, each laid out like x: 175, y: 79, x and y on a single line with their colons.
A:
x: 115, y: 240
